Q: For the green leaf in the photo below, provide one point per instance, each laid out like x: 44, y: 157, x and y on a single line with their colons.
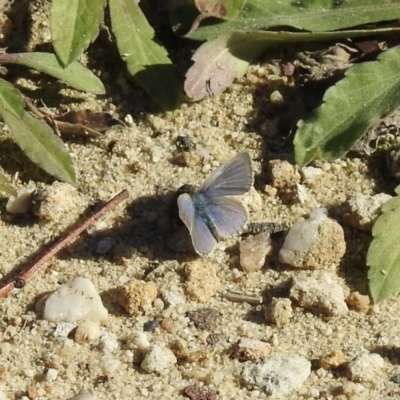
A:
x: 10, y: 99
x: 75, y: 24
x: 147, y: 61
x: 311, y: 15
x: 369, y: 92
x: 5, y: 186
x: 40, y: 145
x: 383, y: 256
x: 75, y: 75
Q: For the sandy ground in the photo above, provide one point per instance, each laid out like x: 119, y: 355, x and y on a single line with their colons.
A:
x: 143, y: 158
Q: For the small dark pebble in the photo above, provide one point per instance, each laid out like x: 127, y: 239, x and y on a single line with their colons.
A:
x: 183, y: 143
x: 150, y: 326
x: 205, y: 319
x: 213, y: 339
x: 199, y: 393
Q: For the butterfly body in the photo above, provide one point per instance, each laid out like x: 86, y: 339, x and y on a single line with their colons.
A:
x: 211, y: 214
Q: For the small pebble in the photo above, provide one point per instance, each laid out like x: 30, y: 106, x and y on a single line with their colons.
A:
x: 167, y: 324
x: 366, y: 367
x: 87, y: 331
x: 364, y: 210
x: 21, y: 203
x: 254, y: 250
x: 249, y: 349
x: 276, y: 97
x: 137, y: 296
x: 150, y: 326
x: 199, y: 393
x: 172, y: 298
x: 75, y: 300
x: 183, y: 354
x: 158, y: 304
x: 141, y: 341
x: 320, y: 292
x: 311, y: 176
x: 358, y: 302
x: 184, y: 159
x: 283, y: 174
x: 109, y: 342
x: 201, y: 281
x: 278, y: 375
x: 332, y: 360
x: 51, y: 375
x: 83, y: 395
x: 278, y: 312
x: 63, y: 329
x: 205, y: 319
x: 315, y: 243
x: 184, y: 143
x: 158, y: 359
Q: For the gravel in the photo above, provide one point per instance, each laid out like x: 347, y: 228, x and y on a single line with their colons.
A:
x: 41, y: 358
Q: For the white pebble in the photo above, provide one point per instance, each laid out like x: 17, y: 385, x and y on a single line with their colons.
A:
x: 21, y: 203
x: 278, y: 375
x: 109, y: 342
x: 129, y: 120
x: 158, y: 304
x: 315, y: 243
x: 83, y: 395
x: 73, y: 301
x: 301, y: 236
x: 172, y: 298
x: 51, y: 375
x: 158, y: 359
x: 63, y: 329
x: 141, y: 341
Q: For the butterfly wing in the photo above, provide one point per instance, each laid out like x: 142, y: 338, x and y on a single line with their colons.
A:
x: 227, y: 215
x: 233, y: 178
x: 202, y: 239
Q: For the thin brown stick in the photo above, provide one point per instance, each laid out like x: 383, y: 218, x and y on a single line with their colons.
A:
x: 22, y: 277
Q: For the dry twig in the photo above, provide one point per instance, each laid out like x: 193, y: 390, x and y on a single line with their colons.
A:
x: 19, y: 279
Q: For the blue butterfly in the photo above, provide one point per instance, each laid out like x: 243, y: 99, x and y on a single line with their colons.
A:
x: 210, y: 213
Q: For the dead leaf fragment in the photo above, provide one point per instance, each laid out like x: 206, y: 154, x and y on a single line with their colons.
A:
x: 85, y: 123
x: 209, y: 8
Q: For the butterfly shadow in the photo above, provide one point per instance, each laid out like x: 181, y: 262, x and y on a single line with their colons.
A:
x: 145, y: 229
